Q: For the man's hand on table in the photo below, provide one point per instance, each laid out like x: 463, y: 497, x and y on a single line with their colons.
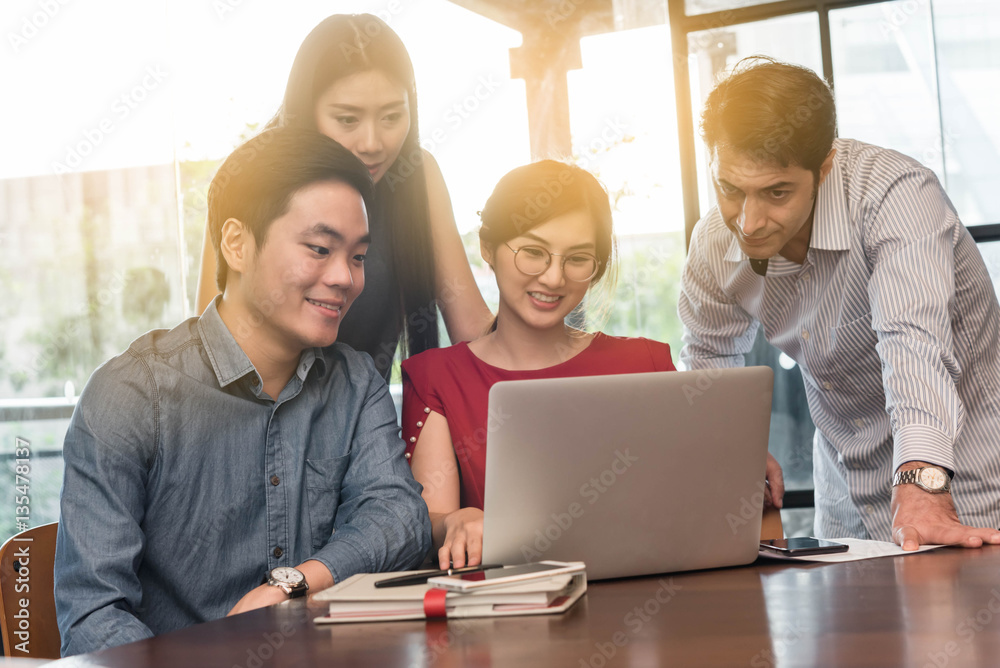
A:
x: 921, y: 518
x: 258, y: 597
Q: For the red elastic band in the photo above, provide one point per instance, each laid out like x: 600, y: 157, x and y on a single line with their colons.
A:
x: 434, y: 604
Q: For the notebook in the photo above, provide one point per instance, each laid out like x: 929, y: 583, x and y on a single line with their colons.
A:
x: 633, y: 474
x: 357, y: 600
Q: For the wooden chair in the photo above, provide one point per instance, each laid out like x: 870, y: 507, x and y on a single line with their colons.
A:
x: 26, y: 577
x: 770, y: 524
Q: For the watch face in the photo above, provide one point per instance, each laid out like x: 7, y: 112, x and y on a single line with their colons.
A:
x: 933, y: 478
x: 288, y: 575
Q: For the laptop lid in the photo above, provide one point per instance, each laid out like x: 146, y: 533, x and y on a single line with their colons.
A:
x: 633, y: 474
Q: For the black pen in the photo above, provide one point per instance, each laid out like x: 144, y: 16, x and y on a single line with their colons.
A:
x: 421, y: 578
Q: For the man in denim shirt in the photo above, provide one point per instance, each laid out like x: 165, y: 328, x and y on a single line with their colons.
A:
x: 243, y: 441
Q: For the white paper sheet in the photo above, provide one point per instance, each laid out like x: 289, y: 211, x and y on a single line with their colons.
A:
x: 859, y: 549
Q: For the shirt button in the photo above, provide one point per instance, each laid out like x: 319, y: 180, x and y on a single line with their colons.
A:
x: 413, y: 439
x: 278, y: 552
x: 407, y: 455
x: 805, y: 335
x: 275, y: 480
x: 420, y: 424
x: 827, y: 385
x: 859, y: 423
x: 427, y: 410
x: 869, y: 509
x: 805, y: 277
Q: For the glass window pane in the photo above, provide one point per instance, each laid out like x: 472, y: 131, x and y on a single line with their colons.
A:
x: 623, y: 125
x: 967, y: 35
x: 692, y: 7
x: 89, y: 241
x: 883, y: 68
x: 991, y: 256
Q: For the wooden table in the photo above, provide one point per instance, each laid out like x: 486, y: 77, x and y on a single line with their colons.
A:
x: 938, y: 609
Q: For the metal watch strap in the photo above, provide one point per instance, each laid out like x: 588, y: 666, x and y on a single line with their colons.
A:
x: 912, y: 477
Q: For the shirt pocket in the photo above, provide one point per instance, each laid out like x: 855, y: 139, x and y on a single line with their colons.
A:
x: 324, y: 480
x: 856, y: 358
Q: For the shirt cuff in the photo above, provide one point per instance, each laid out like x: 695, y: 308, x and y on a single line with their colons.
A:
x: 923, y: 444
x: 342, y: 559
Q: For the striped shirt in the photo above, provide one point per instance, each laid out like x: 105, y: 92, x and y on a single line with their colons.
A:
x: 894, y: 322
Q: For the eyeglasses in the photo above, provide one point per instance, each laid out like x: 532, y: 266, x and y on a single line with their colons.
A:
x: 534, y: 260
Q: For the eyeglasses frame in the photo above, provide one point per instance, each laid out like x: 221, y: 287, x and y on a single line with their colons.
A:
x: 548, y: 263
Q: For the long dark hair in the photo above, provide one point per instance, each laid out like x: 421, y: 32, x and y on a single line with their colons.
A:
x: 345, y: 44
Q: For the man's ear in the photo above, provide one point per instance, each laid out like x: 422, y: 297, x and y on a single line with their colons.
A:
x: 486, y: 252
x: 827, y: 165
x: 237, y: 245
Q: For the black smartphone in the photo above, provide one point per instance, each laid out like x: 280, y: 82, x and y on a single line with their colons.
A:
x: 801, y: 546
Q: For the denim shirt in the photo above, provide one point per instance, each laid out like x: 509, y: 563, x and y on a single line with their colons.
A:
x: 185, y: 483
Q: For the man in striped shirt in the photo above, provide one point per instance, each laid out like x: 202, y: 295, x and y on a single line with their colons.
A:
x: 855, y: 263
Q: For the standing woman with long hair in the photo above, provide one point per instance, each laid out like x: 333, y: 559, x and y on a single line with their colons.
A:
x: 353, y: 81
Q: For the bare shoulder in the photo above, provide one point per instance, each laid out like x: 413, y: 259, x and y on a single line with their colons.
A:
x: 430, y: 162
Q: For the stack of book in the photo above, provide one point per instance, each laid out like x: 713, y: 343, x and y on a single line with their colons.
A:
x: 356, y: 599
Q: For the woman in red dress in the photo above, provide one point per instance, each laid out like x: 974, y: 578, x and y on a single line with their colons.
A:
x: 547, y: 234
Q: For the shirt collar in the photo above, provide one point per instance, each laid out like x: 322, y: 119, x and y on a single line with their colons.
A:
x: 831, y: 221
x: 229, y: 361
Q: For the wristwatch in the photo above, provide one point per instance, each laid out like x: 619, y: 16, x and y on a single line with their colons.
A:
x: 289, y: 580
x: 933, y: 479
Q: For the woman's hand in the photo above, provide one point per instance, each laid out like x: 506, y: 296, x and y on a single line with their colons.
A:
x: 463, y: 536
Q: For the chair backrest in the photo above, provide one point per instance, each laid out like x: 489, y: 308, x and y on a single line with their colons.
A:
x: 27, y: 598
x: 770, y: 524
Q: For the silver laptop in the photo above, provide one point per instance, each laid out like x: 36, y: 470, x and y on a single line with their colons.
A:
x: 633, y: 474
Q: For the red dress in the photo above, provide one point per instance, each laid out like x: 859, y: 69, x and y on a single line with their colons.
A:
x: 455, y: 383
